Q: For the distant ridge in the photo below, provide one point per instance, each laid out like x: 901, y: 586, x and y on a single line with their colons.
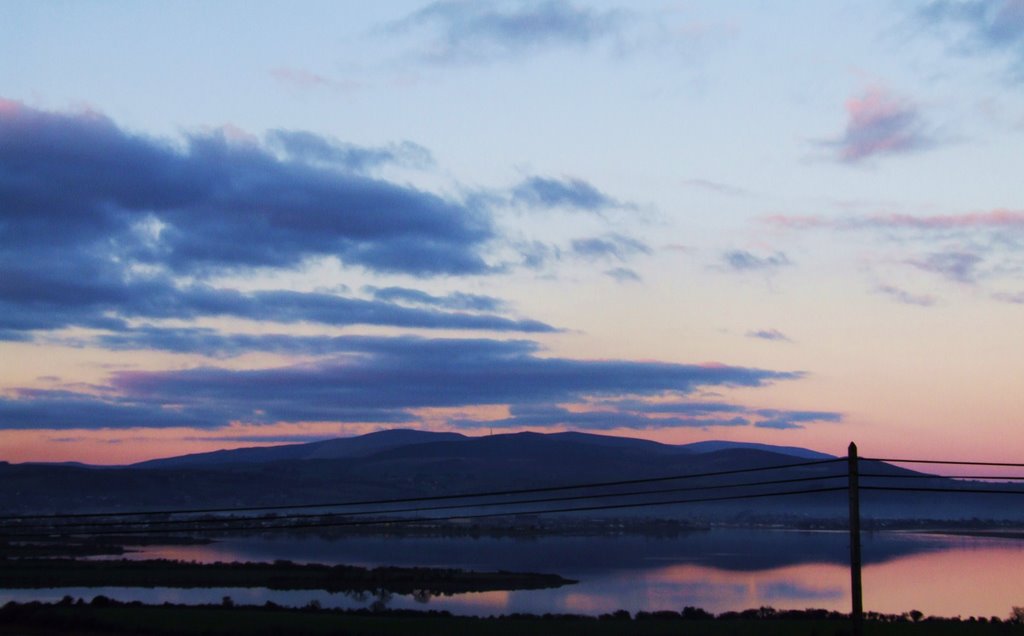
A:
x: 339, y: 448
x: 713, y: 446
x: 405, y: 463
x: 400, y: 441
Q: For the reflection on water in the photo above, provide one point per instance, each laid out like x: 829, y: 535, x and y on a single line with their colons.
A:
x: 720, y: 570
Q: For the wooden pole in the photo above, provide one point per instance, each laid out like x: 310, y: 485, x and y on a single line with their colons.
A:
x: 857, y: 613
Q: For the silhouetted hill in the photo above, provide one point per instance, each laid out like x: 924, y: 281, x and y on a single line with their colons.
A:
x: 328, y: 449
x: 714, y: 446
x: 403, y: 463
x: 413, y: 441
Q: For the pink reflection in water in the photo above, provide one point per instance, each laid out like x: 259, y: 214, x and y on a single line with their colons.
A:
x: 963, y: 576
x: 980, y: 577
x: 677, y: 586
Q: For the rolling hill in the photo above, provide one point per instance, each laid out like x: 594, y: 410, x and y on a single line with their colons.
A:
x: 405, y: 463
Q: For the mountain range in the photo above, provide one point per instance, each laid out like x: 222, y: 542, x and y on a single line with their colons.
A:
x: 409, y: 463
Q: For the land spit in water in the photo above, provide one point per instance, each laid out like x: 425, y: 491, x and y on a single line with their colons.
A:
x: 280, y: 575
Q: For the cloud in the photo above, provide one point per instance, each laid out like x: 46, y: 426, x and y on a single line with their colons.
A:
x: 210, y: 342
x: 610, y: 246
x: 769, y: 334
x: 716, y: 187
x: 969, y: 248
x: 576, y: 194
x: 905, y: 297
x: 959, y: 267
x: 215, y: 204
x: 637, y: 414
x: 454, y: 300
x: 1014, y: 298
x: 57, y: 410
x: 998, y: 219
x: 368, y: 379
x: 785, y: 420
x: 623, y: 275
x: 303, y: 79
x: 546, y: 416
x: 66, y: 294
x: 879, y: 124
x: 537, y: 254
x: 32, y: 409
x: 465, y: 31
x: 100, y: 226
x: 406, y: 372
x: 315, y: 149
x: 743, y: 261
x: 984, y: 25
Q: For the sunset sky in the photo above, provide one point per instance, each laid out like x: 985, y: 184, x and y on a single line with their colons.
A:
x: 227, y: 223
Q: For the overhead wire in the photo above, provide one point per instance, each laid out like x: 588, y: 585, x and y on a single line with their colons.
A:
x: 484, y: 504
x: 342, y: 519
x: 939, y: 461
x: 412, y: 520
x: 467, y: 495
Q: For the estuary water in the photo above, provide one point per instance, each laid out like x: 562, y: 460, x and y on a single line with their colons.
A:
x: 718, y: 570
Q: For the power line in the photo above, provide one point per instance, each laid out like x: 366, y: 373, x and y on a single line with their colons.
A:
x: 410, y: 520
x: 470, y: 495
x: 979, y: 477
x: 983, y: 491
x: 486, y: 504
x: 937, y: 461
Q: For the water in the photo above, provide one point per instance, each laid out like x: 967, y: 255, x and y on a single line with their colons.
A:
x: 719, y: 570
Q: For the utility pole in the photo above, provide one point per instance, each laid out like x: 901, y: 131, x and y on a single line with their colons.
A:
x: 857, y: 613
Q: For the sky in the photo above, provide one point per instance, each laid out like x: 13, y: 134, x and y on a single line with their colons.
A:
x: 233, y: 223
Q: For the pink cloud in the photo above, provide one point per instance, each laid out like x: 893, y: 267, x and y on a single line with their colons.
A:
x: 992, y: 219
x: 9, y: 107
x: 301, y: 78
x: 879, y: 123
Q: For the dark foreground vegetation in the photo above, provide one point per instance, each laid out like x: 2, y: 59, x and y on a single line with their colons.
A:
x: 103, y: 616
x: 280, y: 575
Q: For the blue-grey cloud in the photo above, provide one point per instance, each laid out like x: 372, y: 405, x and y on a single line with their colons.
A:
x: 371, y: 379
x: 318, y: 150
x: 743, y: 261
x: 38, y: 409
x: 454, y: 300
x: 623, y: 275
x: 99, y: 226
x: 960, y: 267
x: 382, y: 379
x: 80, y: 183
x: 708, y: 414
x: 637, y: 414
x: 1006, y: 297
x: 768, y: 334
x: 984, y: 25
x: 880, y: 123
x: 466, y: 31
x: 536, y: 254
x: 541, y: 192
x: 682, y: 408
x: 716, y: 187
x: 613, y: 246
x: 548, y: 415
x: 87, y: 295
x: 780, y: 419
x: 210, y: 342
x: 406, y: 372
x: 907, y: 298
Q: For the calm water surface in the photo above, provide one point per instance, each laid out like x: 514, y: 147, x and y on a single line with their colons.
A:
x: 719, y: 570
